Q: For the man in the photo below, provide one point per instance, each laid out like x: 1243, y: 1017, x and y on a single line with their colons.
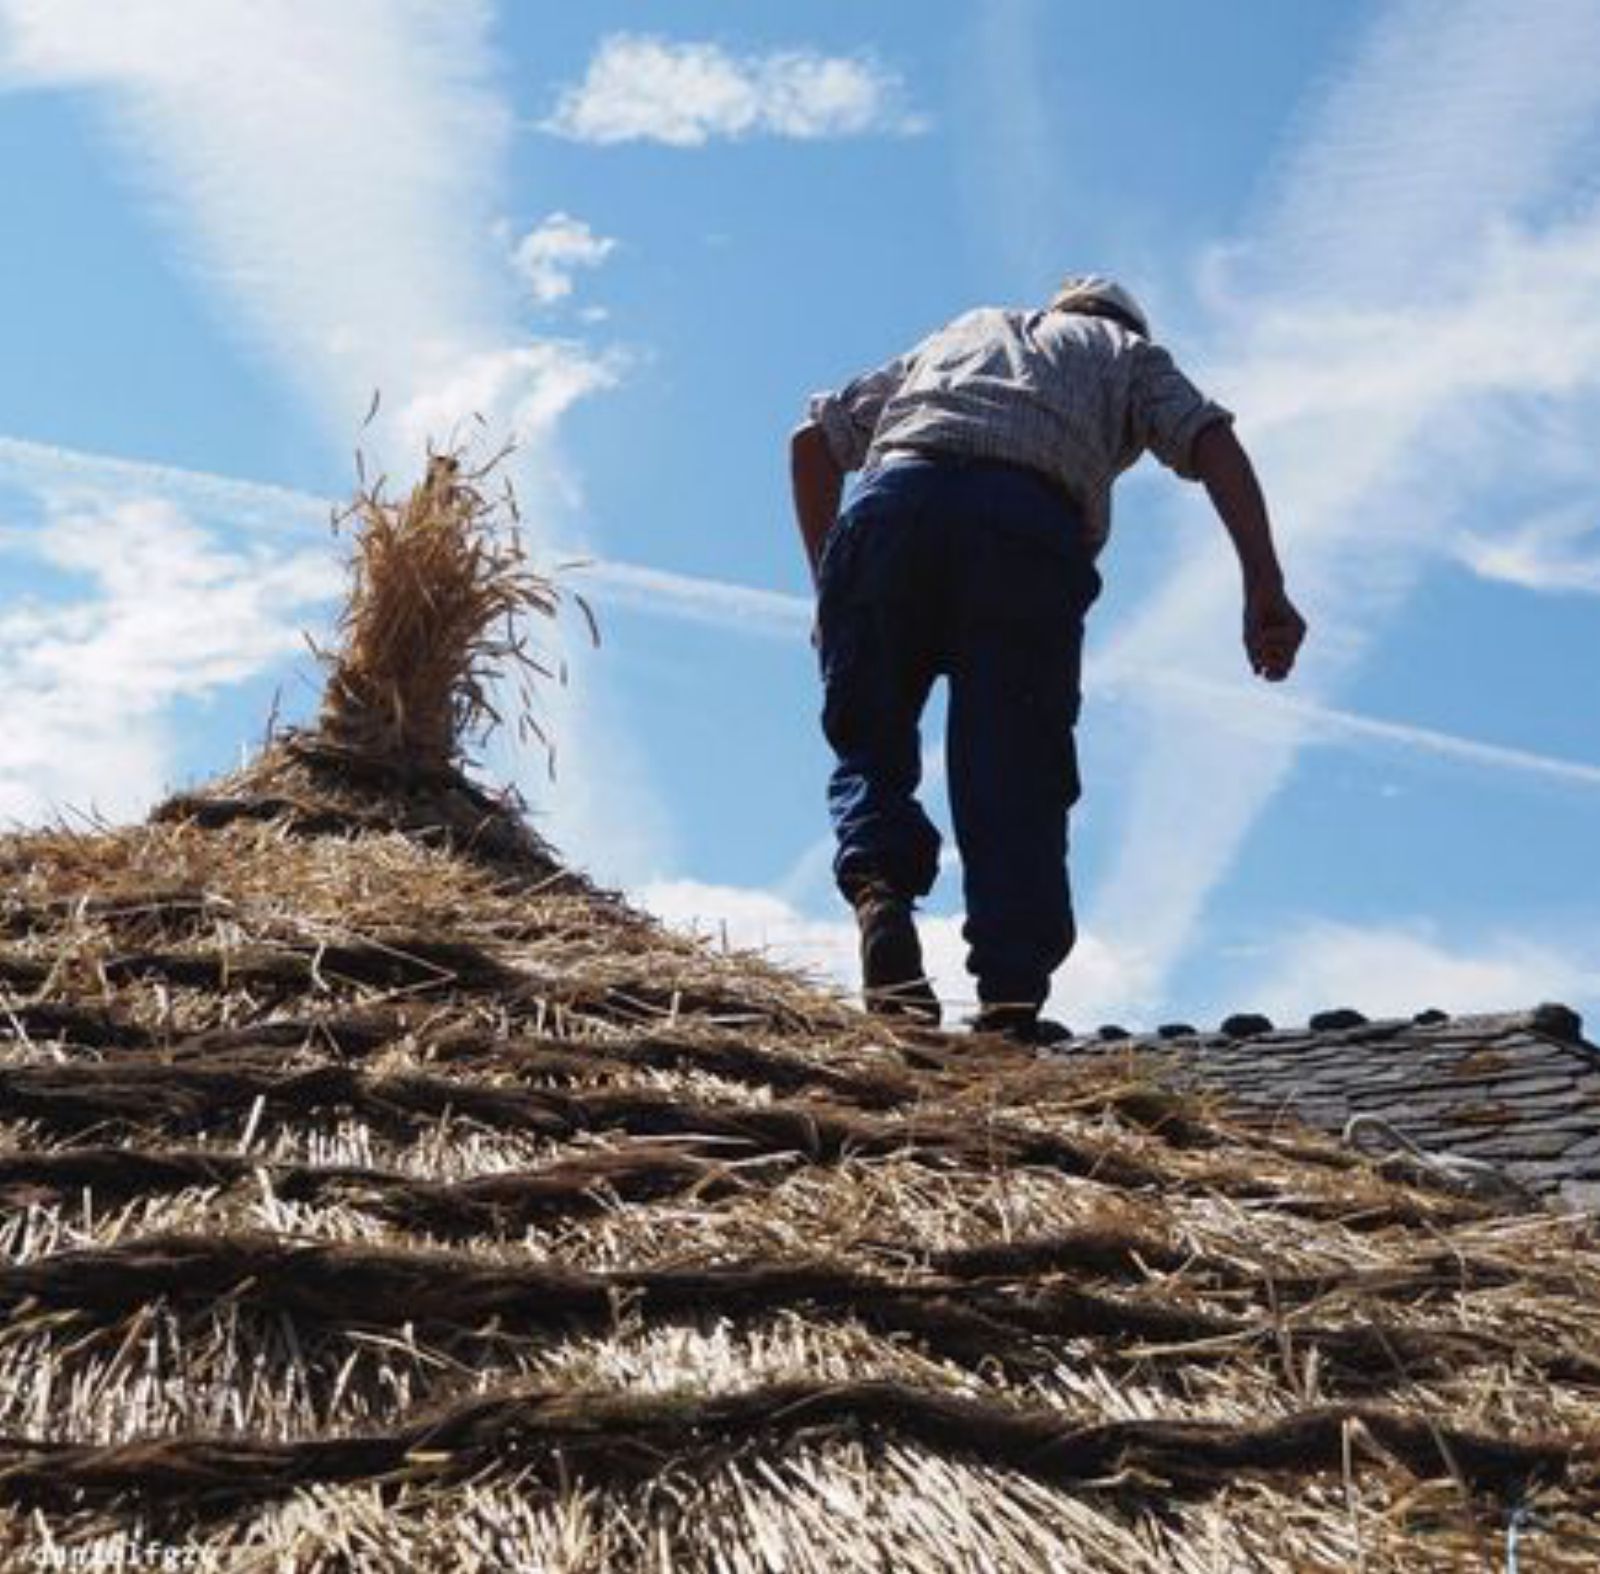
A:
x: 967, y: 551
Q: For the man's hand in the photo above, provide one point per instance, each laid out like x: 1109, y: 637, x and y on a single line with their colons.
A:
x: 1273, y: 630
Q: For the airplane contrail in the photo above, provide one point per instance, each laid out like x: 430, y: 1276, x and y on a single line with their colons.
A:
x: 749, y: 610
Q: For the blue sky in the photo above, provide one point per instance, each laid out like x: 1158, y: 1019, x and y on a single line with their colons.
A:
x: 638, y: 236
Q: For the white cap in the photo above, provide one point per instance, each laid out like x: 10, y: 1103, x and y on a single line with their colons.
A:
x: 1079, y: 290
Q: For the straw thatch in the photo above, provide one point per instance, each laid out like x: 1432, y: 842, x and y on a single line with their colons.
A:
x: 440, y: 596
x: 377, y: 1195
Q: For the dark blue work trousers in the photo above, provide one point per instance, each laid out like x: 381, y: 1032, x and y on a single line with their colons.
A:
x: 976, y: 572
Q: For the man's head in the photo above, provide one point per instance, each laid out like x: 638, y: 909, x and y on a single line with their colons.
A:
x: 1096, y: 296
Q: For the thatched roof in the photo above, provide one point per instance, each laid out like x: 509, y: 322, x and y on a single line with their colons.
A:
x: 379, y: 1195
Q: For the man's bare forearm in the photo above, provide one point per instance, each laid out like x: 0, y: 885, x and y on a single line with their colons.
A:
x: 818, y: 484
x: 1224, y: 467
x: 1273, y: 627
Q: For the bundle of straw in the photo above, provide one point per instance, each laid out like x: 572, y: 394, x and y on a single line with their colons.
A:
x: 437, y: 610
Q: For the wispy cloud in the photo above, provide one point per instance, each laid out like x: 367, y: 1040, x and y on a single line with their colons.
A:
x: 739, y: 609
x: 329, y: 169
x: 76, y: 479
x: 1398, y: 968
x: 1454, y: 116
x: 641, y: 88
x: 87, y: 681
x: 1401, y: 289
x: 1014, y: 151
x: 1275, y: 717
x: 826, y: 948
x: 1558, y: 551
x: 549, y: 256
x: 330, y: 175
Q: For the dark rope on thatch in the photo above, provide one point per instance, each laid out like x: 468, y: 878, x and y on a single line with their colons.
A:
x: 567, y: 1062
x: 348, y: 1035
x: 1415, y: 1208
x: 22, y: 973
x: 158, y: 1095
x: 512, y: 1201
x: 645, y: 1001
x: 1154, y: 1110
x: 1122, y: 1253
x: 493, y: 837
x: 86, y: 1027
x: 418, y: 965
x: 491, y: 1205
x: 968, y: 1322
x: 1084, y: 1249
x: 340, y: 767
x: 154, y: 1093
x: 563, y: 1060
x: 607, y: 1439
x: 171, y: 912
x: 415, y: 962
x: 214, y: 812
x: 306, y: 784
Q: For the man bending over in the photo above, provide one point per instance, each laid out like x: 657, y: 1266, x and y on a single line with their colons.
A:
x: 968, y: 552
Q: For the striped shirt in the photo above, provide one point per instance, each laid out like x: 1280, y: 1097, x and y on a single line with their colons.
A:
x: 1075, y: 397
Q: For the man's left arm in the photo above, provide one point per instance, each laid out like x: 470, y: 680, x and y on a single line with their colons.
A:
x: 1195, y: 438
x: 1273, y: 627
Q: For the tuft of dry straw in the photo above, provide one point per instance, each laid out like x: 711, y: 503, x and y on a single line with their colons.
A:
x: 438, y: 606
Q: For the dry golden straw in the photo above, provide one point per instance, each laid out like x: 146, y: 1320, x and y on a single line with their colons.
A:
x: 375, y: 1193
x: 438, y: 608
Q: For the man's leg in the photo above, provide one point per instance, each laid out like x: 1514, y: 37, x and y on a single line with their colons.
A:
x: 878, y: 662
x: 1014, y: 699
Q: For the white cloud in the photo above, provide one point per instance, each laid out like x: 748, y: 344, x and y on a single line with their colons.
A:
x: 1453, y: 115
x: 330, y: 174
x: 1558, y: 551
x: 517, y: 393
x: 1397, y: 969
x: 328, y: 169
x: 548, y: 256
x: 1273, y: 717
x: 172, y: 612
x: 1092, y: 987
x: 646, y: 89
x: 1397, y: 299
x: 824, y: 948
x: 740, y: 609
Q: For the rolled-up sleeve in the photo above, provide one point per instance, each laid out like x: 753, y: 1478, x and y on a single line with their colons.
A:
x: 1167, y: 411
x: 849, y: 417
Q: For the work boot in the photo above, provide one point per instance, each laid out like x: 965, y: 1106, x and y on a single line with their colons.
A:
x: 893, y: 983
x: 1022, y: 1025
